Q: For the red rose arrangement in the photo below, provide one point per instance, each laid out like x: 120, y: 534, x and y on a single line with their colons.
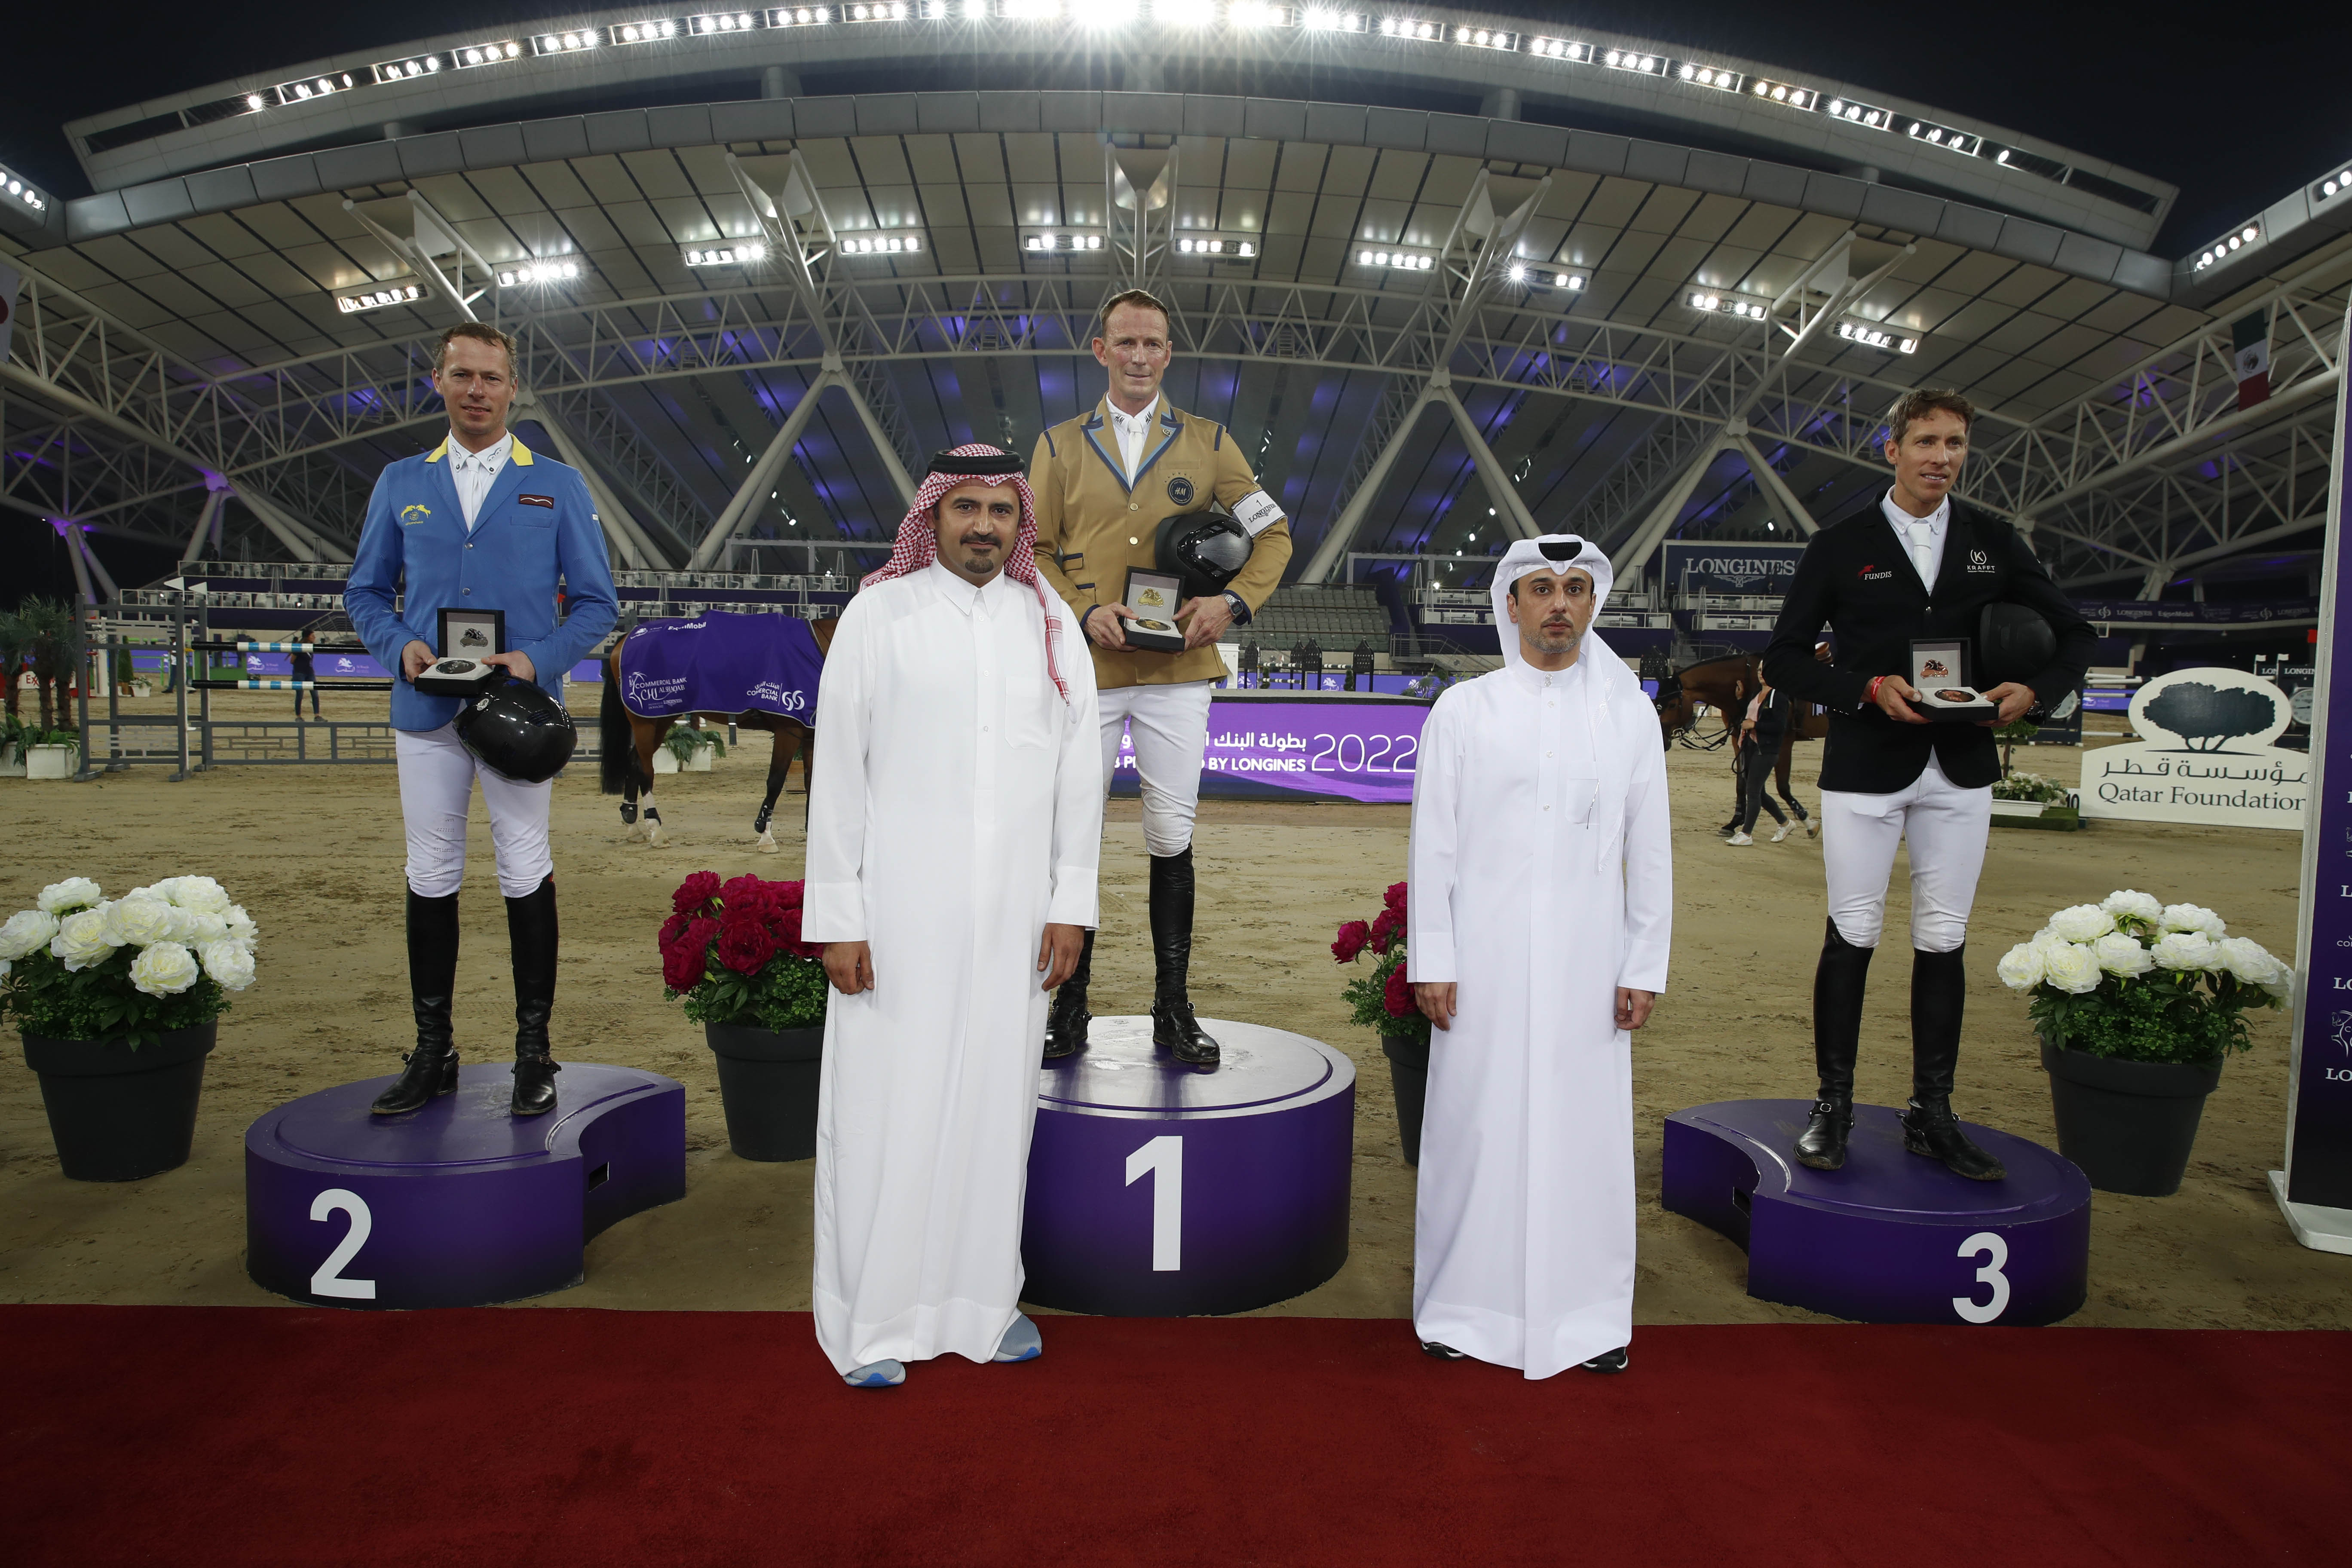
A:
x: 1383, y: 998
x: 733, y: 951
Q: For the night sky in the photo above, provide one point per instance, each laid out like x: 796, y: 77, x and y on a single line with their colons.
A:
x: 2234, y: 104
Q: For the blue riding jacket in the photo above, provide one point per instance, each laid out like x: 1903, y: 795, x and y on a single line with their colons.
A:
x: 536, y: 528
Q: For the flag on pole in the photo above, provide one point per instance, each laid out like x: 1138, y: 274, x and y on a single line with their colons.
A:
x: 2250, y: 357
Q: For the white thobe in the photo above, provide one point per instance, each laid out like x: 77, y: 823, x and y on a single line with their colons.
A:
x: 956, y: 810
x: 1542, y: 880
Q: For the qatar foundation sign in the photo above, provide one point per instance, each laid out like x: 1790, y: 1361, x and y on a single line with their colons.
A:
x: 2207, y: 757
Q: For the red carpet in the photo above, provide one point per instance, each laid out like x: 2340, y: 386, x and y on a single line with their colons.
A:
x: 199, y: 1435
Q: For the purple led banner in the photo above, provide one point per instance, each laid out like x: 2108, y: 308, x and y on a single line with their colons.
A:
x: 2319, y: 1140
x: 1339, y: 748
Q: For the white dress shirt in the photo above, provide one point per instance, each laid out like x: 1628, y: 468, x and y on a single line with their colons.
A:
x: 1923, y: 537
x: 475, y: 472
x: 1134, y: 433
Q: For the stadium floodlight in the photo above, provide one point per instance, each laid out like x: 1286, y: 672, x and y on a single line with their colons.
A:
x: 1256, y: 14
x: 1324, y: 19
x: 1633, y: 60
x: 314, y: 86
x: 1691, y: 73
x: 1486, y: 38
x: 380, y: 297
x: 1718, y: 303
x: 515, y: 274
x: 1396, y: 261
x: 1564, y: 49
x: 1876, y: 338
x: 2221, y: 248
x: 1217, y: 249
x: 801, y: 15
x: 497, y: 54
x: 1869, y: 116
x: 716, y: 23
x: 1937, y: 135
x: 878, y: 11
x: 1060, y: 242
x: 651, y: 31
x: 2335, y: 184
x: 726, y: 253
x: 570, y: 41
x: 22, y: 190
x: 1785, y: 93
x: 901, y: 243
x: 407, y: 69
x: 1410, y: 28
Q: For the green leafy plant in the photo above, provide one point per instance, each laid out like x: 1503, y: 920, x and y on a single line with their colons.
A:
x: 2011, y: 736
x: 2134, y: 978
x: 2030, y: 787
x: 733, y: 953
x: 684, y: 741
x: 79, y: 966
x: 1381, y: 1000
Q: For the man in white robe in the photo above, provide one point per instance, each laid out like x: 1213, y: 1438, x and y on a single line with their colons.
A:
x: 954, y: 820
x: 1541, y: 903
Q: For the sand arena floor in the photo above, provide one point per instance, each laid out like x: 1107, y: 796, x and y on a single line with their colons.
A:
x: 315, y: 854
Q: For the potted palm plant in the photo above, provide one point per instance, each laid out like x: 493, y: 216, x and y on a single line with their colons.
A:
x: 2138, y: 1003
x: 688, y: 749
x: 1381, y: 1000
x: 118, y: 1002
x: 733, y: 951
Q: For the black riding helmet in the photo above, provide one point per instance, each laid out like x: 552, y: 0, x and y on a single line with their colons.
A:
x: 2013, y: 643
x: 518, y: 731
x: 1206, y: 550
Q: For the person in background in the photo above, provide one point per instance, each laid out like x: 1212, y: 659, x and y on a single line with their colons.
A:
x: 1759, y: 751
x: 305, y: 669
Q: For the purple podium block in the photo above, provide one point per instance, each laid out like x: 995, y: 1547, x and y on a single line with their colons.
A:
x: 1894, y: 1237
x: 459, y: 1204
x: 1159, y: 1191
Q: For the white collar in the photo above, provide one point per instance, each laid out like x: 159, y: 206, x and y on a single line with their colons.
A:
x: 1935, y: 521
x: 959, y: 590
x: 491, y: 456
x: 1138, y: 421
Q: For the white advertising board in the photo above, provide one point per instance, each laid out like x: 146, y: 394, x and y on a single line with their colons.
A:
x: 2206, y: 756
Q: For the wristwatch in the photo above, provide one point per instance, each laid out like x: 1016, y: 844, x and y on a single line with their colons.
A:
x: 1240, y: 607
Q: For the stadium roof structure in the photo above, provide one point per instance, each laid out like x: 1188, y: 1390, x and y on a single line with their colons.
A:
x: 1449, y: 277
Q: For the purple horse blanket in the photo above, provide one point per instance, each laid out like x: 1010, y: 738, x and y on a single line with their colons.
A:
x: 721, y: 664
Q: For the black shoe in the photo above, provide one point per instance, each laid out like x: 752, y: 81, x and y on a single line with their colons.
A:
x: 531, y: 936
x: 1933, y: 1131
x: 431, y: 1069
x: 1173, y: 1025
x: 1067, y: 1020
x: 1607, y: 1360
x: 1443, y: 1353
x: 1175, y: 1029
x: 1822, y: 1145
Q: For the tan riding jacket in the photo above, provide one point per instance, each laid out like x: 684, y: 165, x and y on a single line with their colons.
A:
x: 1092, y: 524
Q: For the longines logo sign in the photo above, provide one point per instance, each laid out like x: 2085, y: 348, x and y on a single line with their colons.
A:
x: 1741, y: 568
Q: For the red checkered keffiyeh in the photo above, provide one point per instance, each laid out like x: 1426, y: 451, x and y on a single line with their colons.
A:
x: 919, y: 542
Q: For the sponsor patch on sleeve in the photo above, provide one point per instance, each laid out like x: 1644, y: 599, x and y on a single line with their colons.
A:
x: 547, y: 501
x: 1256, y: 511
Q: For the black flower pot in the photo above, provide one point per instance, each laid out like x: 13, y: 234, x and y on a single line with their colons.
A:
x: 117, y: 1114
x: 2130, y: 1125
x: 1408, y: 1072
x: 767, y: 1085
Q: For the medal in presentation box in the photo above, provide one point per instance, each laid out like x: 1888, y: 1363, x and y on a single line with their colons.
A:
x: 467, y: 637
x: 1153, y: 596
x: 1939, y: 672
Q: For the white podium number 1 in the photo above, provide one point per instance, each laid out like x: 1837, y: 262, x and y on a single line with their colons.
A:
x: 328, y: 1280
x: 1163, y: 1159
x: 1990, y: 1274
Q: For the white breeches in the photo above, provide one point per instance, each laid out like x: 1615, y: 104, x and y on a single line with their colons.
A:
x: 1946, y: 826
x: 1170, y: 725
x: 436, y: 789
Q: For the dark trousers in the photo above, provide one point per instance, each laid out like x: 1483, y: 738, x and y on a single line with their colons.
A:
x: 1755, y: 766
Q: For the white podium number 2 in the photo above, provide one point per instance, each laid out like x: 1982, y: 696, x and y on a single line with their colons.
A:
x: 328, y: 1280
x: 1990, y: 1274
x: 1163, y: 1159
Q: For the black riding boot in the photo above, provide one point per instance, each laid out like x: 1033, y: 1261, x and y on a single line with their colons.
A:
x: 1939, y: 992
x: 531, y: 937
x: 1173, y: 1025
x: 1838, y: 984
x: 432, y: 1068
x: 1067, y: 1020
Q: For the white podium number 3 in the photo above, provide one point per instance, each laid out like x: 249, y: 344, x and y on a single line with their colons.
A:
x: 1163, y: 1159
x: 328, y: 1280
x: 1990, y: 1274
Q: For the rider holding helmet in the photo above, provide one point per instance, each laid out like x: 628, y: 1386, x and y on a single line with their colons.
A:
x: 486, y: 529
x: 1129, y: 485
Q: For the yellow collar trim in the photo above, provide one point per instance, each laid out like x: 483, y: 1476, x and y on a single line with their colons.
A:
x: 520, y: 453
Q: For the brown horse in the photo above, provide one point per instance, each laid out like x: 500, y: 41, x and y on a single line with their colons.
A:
x: 1726, y: 684
x: 627, y: 743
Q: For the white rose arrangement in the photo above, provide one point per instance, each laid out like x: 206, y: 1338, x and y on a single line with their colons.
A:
x: 81, y: 966
x: 2134, y: 977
